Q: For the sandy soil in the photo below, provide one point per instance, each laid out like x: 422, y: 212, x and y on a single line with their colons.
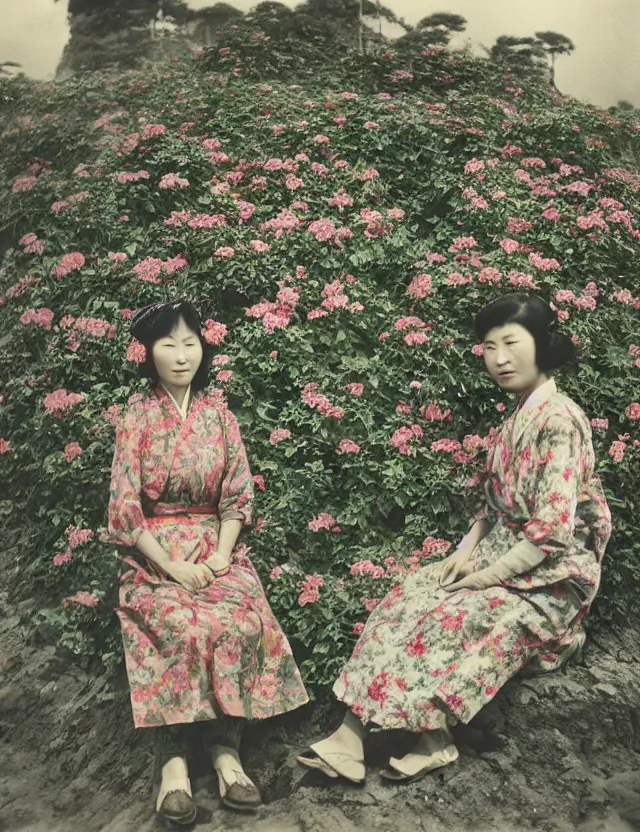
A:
x: 559, y: 753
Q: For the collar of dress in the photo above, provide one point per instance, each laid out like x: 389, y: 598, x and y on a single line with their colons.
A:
x: 182, y: 411
x: 539, y: 395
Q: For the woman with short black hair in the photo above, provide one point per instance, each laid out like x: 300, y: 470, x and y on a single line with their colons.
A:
x: 519, y: 585
x: 201, y: 642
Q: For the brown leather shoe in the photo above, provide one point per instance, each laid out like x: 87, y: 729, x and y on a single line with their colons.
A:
x: 178, y: 807
x: 244, y: 798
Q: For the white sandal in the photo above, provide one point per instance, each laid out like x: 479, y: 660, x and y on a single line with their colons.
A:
x: 333, y: 763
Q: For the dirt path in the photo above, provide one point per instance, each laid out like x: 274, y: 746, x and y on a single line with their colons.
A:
x: 556, y: 754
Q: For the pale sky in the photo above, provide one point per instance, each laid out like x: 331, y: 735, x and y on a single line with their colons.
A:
x: 604, y: 68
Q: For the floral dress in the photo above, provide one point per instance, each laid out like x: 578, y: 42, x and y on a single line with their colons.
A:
x: 192, y: 655
x: 427, y: 655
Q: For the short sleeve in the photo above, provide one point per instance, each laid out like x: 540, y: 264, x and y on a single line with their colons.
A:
x: 558, y: 468
x: 126, y: 520
x: 236, y: 491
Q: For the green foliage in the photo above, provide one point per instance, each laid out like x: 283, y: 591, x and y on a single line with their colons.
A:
x: 441, y: 147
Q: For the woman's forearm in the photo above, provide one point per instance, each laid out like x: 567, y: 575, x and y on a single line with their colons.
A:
x: 476, y: 533
x: 152, y: 550
x: 227, y: 539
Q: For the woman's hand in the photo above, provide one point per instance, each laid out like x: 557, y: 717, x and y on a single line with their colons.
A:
x: 191, y: 576
x: 482, y: 579
x: 457, y: 565
x: 218, y: 563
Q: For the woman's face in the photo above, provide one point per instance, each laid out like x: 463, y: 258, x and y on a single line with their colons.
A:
x: 177, y: 356
x: 510, y: 357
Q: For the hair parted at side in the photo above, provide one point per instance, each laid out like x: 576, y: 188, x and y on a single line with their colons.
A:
x: 554, y: 349
x: 157, y: 321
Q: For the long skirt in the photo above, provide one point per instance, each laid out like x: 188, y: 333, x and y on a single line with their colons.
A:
x: 427, y: 656
x: 195, y: 655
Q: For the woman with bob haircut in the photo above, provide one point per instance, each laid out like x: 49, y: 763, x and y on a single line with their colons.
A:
x: 201, y: 642
x: 514, y: 593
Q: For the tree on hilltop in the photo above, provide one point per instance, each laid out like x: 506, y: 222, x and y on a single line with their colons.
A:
x: 207, y: 21
x: 435, y: 29
x: 554, y: 44
x: 525, y: 57
x: 441, y: 26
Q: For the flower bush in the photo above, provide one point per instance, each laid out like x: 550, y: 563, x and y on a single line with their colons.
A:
x: 338, y: 238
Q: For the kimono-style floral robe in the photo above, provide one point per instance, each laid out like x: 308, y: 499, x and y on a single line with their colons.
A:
x: 426, y: 655
x: 192, y: 655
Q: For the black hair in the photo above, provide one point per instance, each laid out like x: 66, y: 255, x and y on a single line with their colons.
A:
x: 554, y: 349
x: 157, y: 321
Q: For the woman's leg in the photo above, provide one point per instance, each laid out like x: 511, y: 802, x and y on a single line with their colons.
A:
x: 174, y: 800
x: 433, y: 749
x: 222, y: 738
x: 350, y: 736
x: 341, y: 754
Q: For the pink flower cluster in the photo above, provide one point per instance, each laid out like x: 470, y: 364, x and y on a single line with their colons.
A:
x: 346, y: 446
x: 95, y: 327
x: 617, y: 451
x: 150, y: 269
x: 285, y: 221
x: 421, y: 286
x: 276, y: 315
x: 489, y: 275
x: 85, y: 599
x: 418, y: 330
x: 449, y: 446
x: 432, y: 413
x: 310, y: 590
x: 518, y: 226
x: 324, y: 522
x: 72, y: 450
x: 319, y: 402
x: 5, y: 446
x: 462, y: 244
x: 401, y: 438
x: 31, y: 243
x: 76, y: 537
x: 40, y: 317
x: 214, y: 332
x: 354, y: 388
x: 521, y: 280
x: 365, y: 567
x: 258, y: 481
x: 279, y: 435
x: 152, y: 130
x: 172, y: 180
x: 57, y: 402
x: 585, y: 301
x: 23, y: 183
x: 136, y: 352
x: 542, y: 263
x: 126, y: 176
x: 632, y: 412
x: 432, y: 546
x: 71, y: 261
x: 340, y: 200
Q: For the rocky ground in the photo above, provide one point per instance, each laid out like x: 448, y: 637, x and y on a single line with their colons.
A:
x: 554, y: 753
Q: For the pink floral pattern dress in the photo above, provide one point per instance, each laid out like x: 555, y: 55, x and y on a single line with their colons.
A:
x: 192, y: 655
x: 426, y: 655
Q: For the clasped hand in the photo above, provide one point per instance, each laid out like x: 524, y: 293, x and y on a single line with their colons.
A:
x: 195, y: 576
x: 457, y: 573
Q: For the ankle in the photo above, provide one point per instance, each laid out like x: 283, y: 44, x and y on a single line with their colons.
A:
x: 175, y: 768
x: 353, y: 740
